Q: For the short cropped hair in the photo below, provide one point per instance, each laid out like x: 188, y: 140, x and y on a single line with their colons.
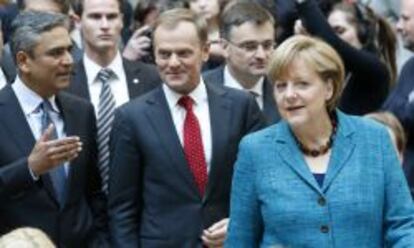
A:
x: 64, y: 5
x: 317, y: 54
x: 240, y: 13
x: 28, y: 26
x: 171, y: 18
x: 81, y: 3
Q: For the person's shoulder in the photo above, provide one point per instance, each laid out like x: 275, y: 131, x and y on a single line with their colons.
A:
x: 139, y: 65
x: 74, y: 99
x: 141, y: 103
x: 364, y: 127
x: 265, y: 135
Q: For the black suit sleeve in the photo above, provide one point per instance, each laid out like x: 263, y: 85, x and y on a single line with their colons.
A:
x: 124, y: 186
x: 15, y: 177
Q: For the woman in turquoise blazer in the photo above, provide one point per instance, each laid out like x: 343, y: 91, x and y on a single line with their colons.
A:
x: 319, y: 178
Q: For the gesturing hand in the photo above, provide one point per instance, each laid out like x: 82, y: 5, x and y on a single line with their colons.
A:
x: 49, y: 153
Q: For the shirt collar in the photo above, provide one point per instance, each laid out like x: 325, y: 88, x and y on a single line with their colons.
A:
x: 92, y: 68
x: 29, y: 100
x: 199, y: 94
x: 231, y: 82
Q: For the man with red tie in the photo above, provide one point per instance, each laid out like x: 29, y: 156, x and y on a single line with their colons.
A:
x: 173, y: 149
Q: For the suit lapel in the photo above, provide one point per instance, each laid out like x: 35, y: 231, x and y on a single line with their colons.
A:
x: 342, y: 149
x: 160, y: 117
x: 269, y: 105
x: 219, y: 107
x: 79, y: 82
x: 13, y: 119
x: 291, y: 155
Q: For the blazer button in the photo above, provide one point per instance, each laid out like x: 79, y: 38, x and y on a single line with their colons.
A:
x: 321, y: 201
x: 324, y: 229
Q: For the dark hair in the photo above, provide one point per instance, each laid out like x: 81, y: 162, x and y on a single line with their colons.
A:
x: 144, y: 7
x: 28, y: 26
x: 240, y: 13
x: 82, y: 2
x: 63, y: 4
x: 374, y: 32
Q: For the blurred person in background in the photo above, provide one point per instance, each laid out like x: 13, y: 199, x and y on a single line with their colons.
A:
x: 320, y: 177
x: 401, y: 100
x: 210, y: 10
x: 366, y: 44
x: 395, y: 129
x: 248, y: 39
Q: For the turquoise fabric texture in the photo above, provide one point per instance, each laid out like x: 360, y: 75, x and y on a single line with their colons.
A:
x: 364, y: 200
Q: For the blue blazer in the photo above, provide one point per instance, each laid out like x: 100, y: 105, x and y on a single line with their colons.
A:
x: 364, y: 200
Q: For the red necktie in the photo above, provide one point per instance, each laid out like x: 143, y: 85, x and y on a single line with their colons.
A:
x: 193, y: 145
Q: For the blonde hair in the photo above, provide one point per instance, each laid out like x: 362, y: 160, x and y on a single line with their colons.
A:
x: 389, y: 120
x: 317, y: 54
x: 26, y: 237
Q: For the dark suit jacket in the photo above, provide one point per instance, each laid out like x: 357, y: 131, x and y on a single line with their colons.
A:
x: 399, y: 103
x: 25, y: 202
x: 269, y: 110
x: 141, y: 78
x: 153, y: 199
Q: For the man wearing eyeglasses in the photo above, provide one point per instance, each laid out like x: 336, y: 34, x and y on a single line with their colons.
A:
x: 248, y: 34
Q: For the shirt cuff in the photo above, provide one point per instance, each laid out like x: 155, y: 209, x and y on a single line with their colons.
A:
x: 34, y: 177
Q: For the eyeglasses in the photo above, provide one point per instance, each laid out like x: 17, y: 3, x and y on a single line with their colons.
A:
x: 253, y: 46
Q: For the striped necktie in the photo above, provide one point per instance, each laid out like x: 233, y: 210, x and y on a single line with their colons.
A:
x: 105, y: 118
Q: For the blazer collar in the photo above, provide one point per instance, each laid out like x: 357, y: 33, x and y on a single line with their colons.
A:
x: 342, y: 149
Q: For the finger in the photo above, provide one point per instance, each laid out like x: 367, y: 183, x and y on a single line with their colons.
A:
x: 64, y: 148
x: 64, y: 156
x: 63, y: 141
x: 47, y: 134
x: 211, y: 242
x: 218, y: 225
x: 141, y: 31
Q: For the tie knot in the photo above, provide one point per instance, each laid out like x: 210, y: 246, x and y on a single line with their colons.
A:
x: 105, y: 74
x: 46, y: 106
x: 186, y: 102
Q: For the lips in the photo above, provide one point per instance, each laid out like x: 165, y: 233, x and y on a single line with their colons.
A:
x: 293, y: 108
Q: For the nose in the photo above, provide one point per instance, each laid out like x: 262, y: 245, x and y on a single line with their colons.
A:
x: 67, y: 59
x: 260, y: 52
x: 399, y: 25
x: 104, y: 22
x: 173, y: 61
x: 290, y: 93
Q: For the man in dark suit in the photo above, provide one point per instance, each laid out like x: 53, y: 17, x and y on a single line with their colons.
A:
x: 101, y: 24
x: 48, y: 174
x: 401, y: 99
x: 56, y: 6
x: 173, y: 149
x: 248, y: 32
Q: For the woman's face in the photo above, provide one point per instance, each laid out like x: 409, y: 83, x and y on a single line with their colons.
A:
x: 301, y: 94
x: 343, y: 28
x: 209, y: 9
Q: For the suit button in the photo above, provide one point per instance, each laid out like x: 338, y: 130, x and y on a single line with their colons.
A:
x: 324, y: 229
x: 321, y: 201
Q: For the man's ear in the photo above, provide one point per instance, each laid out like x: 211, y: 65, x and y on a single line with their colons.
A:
x: 225, y: 44
x: 22, y: 60
x: 205, y: 51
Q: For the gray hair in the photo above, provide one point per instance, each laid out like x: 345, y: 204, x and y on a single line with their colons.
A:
x: 28, y: 27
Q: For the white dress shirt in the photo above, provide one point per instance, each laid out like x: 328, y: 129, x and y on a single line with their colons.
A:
x: 200, y: 109
x: 257, y: 89
x: 3, y: 80
x: 119, y: 86
x: 30, y: 103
